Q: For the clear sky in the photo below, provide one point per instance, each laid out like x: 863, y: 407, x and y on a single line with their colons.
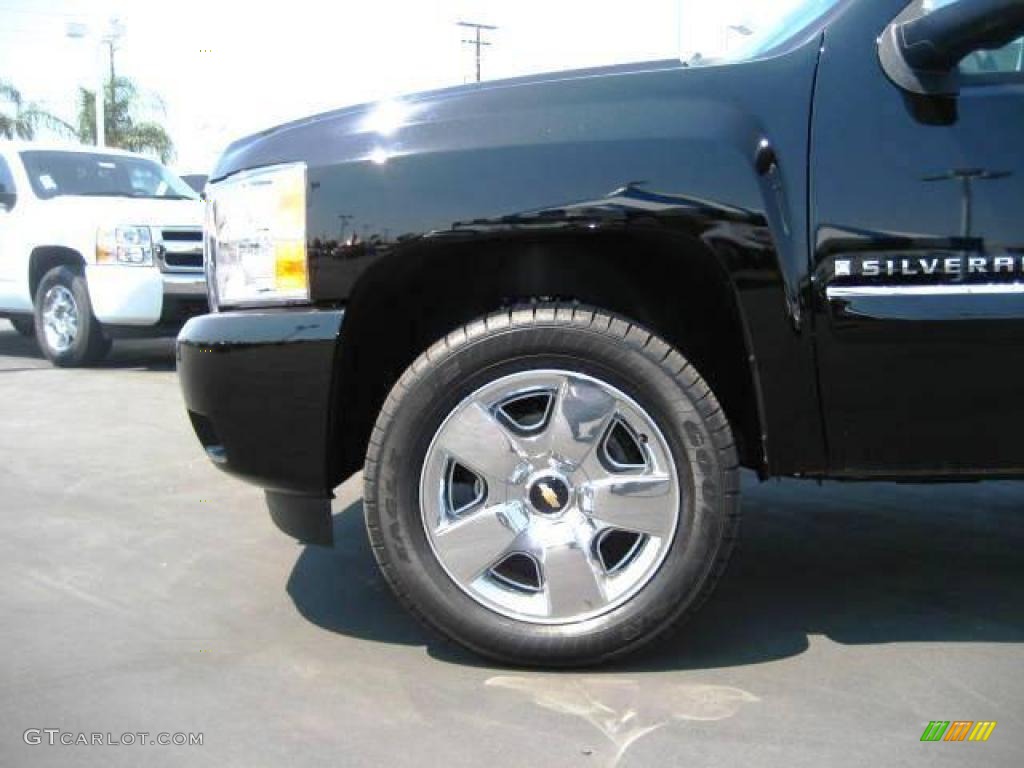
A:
x: 224, y: 68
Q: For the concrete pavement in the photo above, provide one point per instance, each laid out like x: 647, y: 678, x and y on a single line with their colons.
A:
x: 141, y: 590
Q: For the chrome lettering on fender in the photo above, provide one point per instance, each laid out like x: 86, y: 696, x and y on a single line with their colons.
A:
x: 948, y: 266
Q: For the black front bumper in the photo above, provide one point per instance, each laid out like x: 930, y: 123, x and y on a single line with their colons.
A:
x: 257, y: 385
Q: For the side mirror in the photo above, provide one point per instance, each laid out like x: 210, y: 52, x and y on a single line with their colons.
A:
x: 7, y: 199
x: 921, y: 55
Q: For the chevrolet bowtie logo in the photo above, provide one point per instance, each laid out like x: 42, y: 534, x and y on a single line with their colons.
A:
x: 549, y: 495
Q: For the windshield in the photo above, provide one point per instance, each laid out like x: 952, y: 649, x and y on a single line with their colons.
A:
x: 760, y: 39
x: 53, y: 174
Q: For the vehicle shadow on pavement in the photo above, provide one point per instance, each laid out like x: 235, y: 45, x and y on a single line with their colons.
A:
x: 20, y: 353
x: 339, y: 588
x: 860, y: 564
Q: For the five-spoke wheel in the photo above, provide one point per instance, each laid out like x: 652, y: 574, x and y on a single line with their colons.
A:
x: 60, y: 318
x: 551, y: 486
x: 549, y: 496
x: 67, y: 332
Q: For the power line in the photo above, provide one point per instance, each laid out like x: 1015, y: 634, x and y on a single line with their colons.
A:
x: 20, y: 12
x: 477, y: 42
x: 21, y: 31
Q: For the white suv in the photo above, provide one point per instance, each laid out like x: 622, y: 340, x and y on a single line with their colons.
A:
x: 95, y: 243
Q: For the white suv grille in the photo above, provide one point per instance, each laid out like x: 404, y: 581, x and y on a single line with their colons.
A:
x: 179, y: 249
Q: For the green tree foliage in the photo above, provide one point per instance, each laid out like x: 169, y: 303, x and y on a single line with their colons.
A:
x: 120, y: 122
x: 22, y: 120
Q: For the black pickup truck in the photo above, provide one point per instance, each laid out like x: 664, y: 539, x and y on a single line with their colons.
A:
x: 552, y: 317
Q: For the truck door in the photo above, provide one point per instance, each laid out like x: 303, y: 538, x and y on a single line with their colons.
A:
x: 918, y: 248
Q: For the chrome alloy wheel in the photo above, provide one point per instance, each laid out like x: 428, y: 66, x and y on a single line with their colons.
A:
x: 60, y: 318
x: 549, y: 496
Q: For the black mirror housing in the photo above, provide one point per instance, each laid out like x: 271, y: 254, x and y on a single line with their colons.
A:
x: 7, y: 199
x: 921, y: 55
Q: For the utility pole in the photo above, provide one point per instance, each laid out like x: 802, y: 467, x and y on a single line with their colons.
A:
x: 477, y: 41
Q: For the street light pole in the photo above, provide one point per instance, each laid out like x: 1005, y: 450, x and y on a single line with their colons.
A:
x: 115, y: 29
x: 100, y: 101
x: 78, y: 31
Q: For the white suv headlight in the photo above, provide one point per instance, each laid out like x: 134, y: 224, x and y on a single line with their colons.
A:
x: 124, y: 245
x: 255, y: 237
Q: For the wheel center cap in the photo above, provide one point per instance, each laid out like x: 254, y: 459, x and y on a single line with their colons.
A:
x: 549, y: 495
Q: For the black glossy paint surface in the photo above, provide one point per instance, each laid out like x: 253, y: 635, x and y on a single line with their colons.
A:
x: 917, y: 382
x: 777, y: 171
x: 257, y: 387
x: 681, y: 159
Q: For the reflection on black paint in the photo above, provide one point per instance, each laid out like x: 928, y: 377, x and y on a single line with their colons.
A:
x: 921, y: 372
x: 659, y: 155
x: 967, y: 177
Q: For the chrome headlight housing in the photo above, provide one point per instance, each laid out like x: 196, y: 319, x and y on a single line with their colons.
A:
x: 132, y: 246
x: 255, y: 237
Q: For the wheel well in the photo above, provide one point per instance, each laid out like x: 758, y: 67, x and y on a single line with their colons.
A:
x: 45, y: 258
x: 410, y: 299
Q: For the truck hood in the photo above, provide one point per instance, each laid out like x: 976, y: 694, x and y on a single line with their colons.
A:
x: 501, y: 111
x: 525, y: 111
x: 112, y: 211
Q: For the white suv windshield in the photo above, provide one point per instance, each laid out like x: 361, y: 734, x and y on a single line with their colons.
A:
x: 54, y: 173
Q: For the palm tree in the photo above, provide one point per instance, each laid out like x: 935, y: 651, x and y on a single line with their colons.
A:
x: 21, y: 120
x: 120, y: 126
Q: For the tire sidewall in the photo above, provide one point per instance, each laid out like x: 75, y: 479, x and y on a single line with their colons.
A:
x: 437, y: 388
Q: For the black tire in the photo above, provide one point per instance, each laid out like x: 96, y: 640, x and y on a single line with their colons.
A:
x: 597, y: 344
x: 89, y: 345
x: 24, y: 325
